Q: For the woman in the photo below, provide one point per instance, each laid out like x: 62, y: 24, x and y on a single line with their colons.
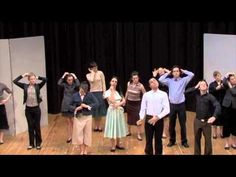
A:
x: 68, y: 82
x: 115, y: 127
x: 217, y: 89
x: 32, y: 99
x: 3, y: 115
x: 82, y: 105
x: 133, y: 98
x: 229, y: 111
x: 96, y: 79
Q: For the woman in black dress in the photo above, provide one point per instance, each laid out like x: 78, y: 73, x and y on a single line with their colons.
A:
x: 3, y: 114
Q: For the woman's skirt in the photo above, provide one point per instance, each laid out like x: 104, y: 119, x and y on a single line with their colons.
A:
x: 132, y: 109
x: 101, y: 110
x: 115, y: 126
x: 3, y: 118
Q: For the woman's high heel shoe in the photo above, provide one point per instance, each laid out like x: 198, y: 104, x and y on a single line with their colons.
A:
x: 69, y: 140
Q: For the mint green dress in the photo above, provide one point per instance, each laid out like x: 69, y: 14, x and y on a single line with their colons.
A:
x: 115, y: 126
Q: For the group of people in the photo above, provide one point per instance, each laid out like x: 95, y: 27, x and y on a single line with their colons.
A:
x: 84, y: 102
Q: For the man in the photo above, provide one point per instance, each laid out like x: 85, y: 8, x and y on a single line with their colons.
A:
x: 177, y: 85
x: 204, y: 116
x: 154, y: 106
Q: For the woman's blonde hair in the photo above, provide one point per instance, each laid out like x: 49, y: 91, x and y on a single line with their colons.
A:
x: 30, y: 75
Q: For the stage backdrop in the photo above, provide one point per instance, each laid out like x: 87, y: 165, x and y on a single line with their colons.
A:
x: 22, y: 55
x: 219, y: 54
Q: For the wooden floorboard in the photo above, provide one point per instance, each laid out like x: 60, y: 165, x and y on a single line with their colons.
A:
x: 54, y: 142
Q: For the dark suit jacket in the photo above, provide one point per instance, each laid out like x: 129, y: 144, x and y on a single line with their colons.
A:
x: 25, y: 87
x: 230, y: 96
x: 89, y: 99
x: 219, y: 94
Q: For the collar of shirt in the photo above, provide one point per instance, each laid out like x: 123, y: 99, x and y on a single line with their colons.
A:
x: 176, y: 79
x: 204, y: 94
x: 154, y: 91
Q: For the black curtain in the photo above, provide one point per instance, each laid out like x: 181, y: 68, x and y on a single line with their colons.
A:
x: 118, y: 48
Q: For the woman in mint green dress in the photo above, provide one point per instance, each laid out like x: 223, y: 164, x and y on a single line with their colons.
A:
x: 115, y: 126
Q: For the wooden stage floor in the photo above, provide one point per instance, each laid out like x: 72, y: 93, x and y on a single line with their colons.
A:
x: 54, y: 142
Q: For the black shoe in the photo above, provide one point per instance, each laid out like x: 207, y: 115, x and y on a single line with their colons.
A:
x: 68, y: 140
x: 1, y: 143
x: 227, y: 147
x: 234, y: 147
x: 129, y: 134
x: 185, y: 145
x: 95, y: 129
x: 99, y: 130
x: 214, y: 137
x: 171, y: 144
x: 113, y: 149
x: 119, y: 147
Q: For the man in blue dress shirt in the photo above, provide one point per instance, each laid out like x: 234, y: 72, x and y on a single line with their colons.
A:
x: 177, y: 85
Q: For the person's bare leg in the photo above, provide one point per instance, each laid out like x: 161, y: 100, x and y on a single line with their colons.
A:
x: 96, y: 123
x: 233, y: 142
x: 113, y: 145
x: 227, y: 143
x: 129, y: 129
x: 99, y: 120
x: 221, y: 131
x: 1, y: 136
x: 139, y: 129
x: 69, y: 129
x: 85, y: 149
x: 214, y: 132
x: 82, y: 149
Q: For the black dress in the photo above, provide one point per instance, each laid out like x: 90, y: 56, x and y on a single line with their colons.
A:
x: 3, y: 118
x: 3, y: 114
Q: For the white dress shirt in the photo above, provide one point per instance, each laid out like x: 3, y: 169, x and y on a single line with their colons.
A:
x: 154, y: 103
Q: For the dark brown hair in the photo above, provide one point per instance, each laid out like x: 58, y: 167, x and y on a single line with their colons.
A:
x: 85, y: 86
x: 92, y: 64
